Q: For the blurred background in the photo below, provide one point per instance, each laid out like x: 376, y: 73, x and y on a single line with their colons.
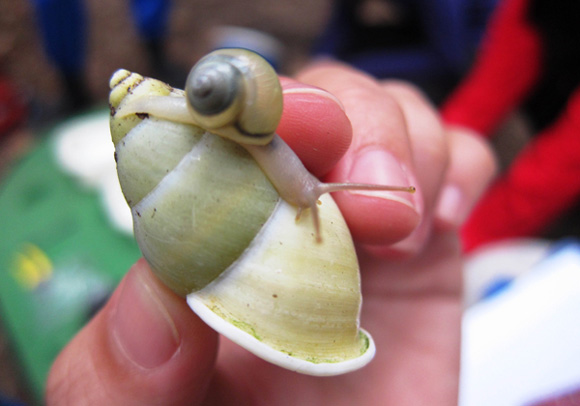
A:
x: 64, y: 241
x: 92, y: 39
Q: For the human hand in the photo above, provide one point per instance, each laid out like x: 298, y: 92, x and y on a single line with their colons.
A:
x: 147, y: 347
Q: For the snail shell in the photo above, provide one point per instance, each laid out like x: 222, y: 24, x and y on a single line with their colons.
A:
x: 214, y: 229
x: 236, y: 94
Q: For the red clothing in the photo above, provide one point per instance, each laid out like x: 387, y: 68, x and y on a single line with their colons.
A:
x: 12, y: 108
x: 545, y: 179
x: 506, y: 68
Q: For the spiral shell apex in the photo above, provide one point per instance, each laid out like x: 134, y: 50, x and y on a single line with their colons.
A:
x: 214, y: 229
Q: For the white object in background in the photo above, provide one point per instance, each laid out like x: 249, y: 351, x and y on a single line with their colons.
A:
x: 523, y: 345
x: 502, y: 261
x: 84, y: 149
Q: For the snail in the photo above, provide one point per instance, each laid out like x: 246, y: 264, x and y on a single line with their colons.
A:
x: 228, y: 216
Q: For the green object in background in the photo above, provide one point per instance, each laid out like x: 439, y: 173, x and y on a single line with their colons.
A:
x: 60, y: 258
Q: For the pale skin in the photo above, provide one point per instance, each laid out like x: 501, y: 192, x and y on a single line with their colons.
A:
x: 147, y: 347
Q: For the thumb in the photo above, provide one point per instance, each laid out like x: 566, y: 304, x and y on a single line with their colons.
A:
x: 144, y: 347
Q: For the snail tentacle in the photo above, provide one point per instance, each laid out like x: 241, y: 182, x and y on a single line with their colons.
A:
x: 338, y: 187
x: 296, y: 185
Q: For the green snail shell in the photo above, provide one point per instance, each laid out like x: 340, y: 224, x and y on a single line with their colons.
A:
x: 214, y: 229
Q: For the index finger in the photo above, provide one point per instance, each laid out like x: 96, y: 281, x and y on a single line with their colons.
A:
x: 379, y: 154
x: 315, y: 126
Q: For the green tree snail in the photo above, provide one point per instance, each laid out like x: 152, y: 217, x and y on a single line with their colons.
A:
x: 215, y: 194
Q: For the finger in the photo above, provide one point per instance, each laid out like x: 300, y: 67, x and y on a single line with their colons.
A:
x: 472, y: 167
x: 428, y: 140
x: 430, y: 152
x: 144, y: 346
x: 379, y: 154
x: 315, y: 126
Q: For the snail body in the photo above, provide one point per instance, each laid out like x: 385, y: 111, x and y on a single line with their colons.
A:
x: 217, y: 221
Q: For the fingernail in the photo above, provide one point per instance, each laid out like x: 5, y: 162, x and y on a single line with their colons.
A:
x: 380, y: 167
x: 142, y: 326
x: 301, y: 89
x: 450, y: 207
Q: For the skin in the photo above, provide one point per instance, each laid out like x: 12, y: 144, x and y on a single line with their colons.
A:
x: 147, y: 347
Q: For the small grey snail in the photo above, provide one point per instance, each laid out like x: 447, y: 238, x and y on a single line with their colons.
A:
x: 215, y: 194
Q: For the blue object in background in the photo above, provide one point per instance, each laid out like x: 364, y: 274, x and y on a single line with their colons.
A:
x: 520, y: 347
x: 9, y: 402
x: 451, y: 31
x: 151, y: 18
x: 497, y: 286
x: 63, y: 27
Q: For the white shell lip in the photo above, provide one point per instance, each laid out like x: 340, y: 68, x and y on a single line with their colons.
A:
x: 265, y: 260
x: 273, y: 356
